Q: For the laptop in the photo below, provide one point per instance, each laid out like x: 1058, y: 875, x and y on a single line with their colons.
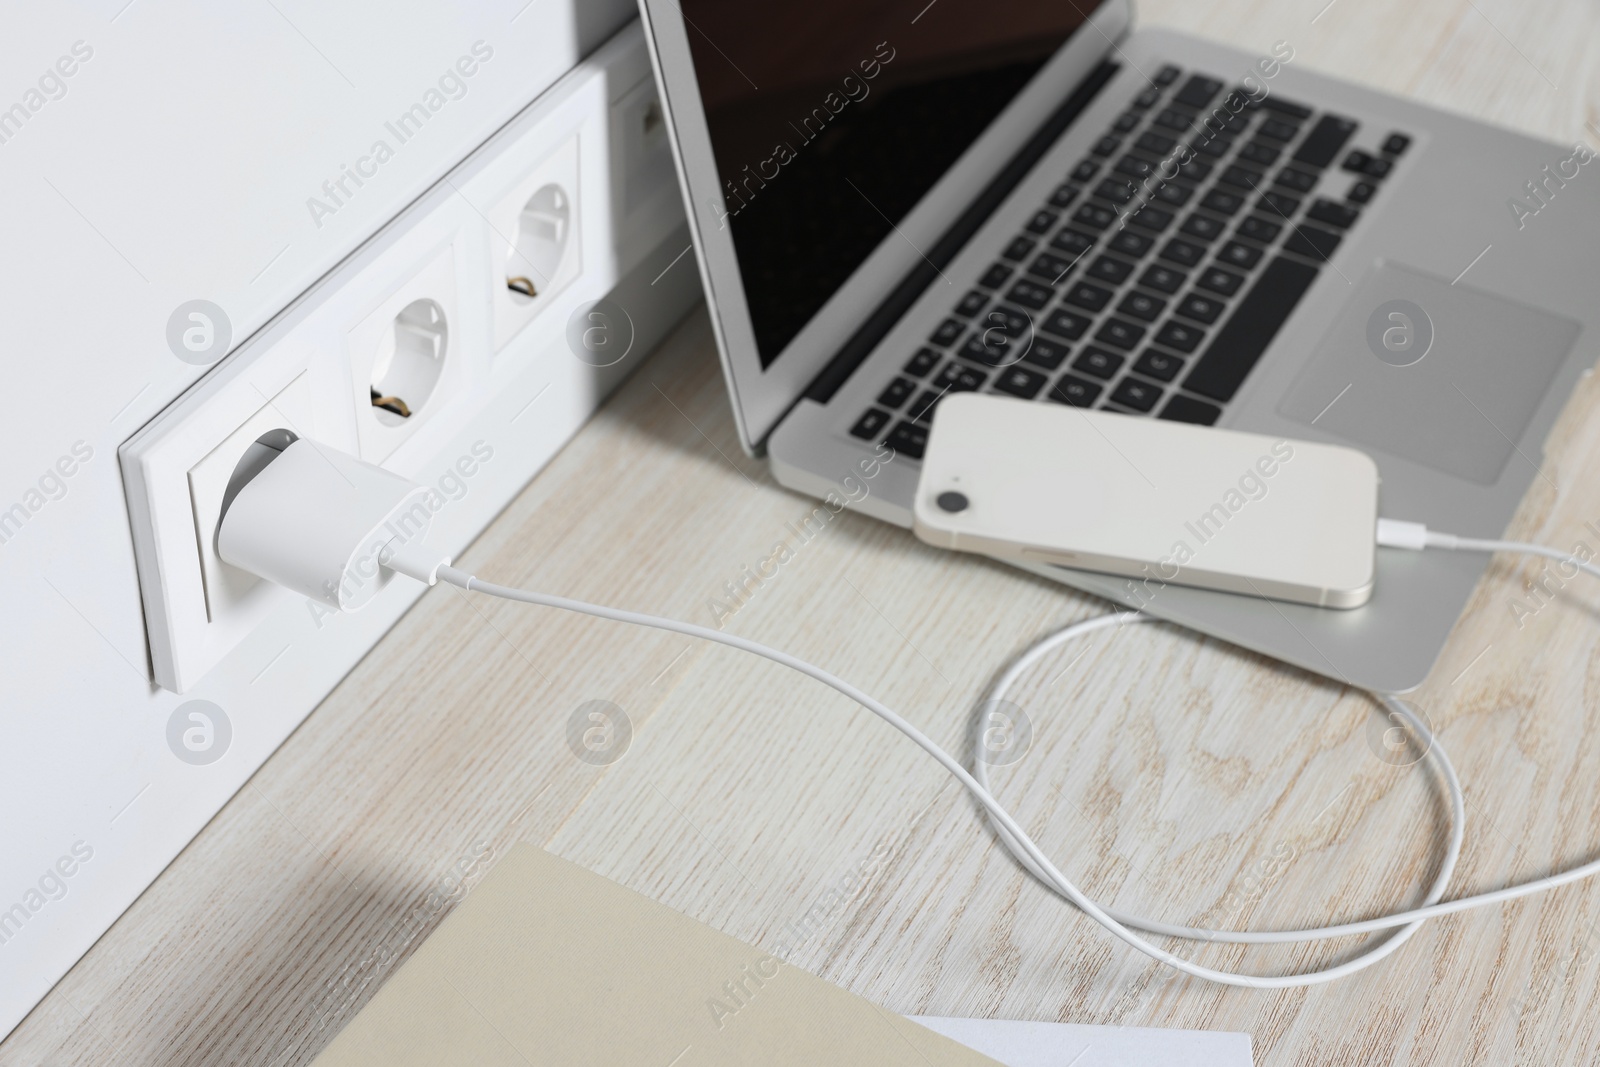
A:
x: 894, y: 201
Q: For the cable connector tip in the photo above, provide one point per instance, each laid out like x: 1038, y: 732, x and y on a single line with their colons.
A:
x: 1397, y: 533
x: 413, y: 559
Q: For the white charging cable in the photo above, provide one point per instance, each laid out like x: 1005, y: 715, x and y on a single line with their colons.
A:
x: 384, y: 515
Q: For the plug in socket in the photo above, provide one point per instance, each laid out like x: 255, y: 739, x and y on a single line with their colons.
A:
x: 227, y: 587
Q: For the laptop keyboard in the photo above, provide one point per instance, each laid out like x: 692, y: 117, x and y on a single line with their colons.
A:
x: 1153, y: 278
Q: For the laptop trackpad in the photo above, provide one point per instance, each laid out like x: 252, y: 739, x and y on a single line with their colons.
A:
x: 1443, y: 375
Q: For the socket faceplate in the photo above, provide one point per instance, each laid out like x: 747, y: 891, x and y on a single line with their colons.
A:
x: 449, y: 249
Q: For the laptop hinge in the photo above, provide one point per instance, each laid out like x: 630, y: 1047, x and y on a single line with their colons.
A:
x: 882, y: 320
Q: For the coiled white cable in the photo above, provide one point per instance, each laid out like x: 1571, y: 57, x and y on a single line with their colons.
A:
x: 308, y: 533
x: 1121, y: 925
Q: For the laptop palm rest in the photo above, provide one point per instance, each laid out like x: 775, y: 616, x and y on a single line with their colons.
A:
x: 1436, y: 373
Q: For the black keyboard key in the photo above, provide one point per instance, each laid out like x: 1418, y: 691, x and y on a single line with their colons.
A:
x: 959, y: 378
x: 1107, y: 269
x: 1259, y: 229
x: 1174, y: 120
x: 1356, y: 162
x: 1051, y: 267
x: 1116, y: 190
x: 1131, y: 244
x: 948, y: 333
x: 1120, y: 334
x: 924, y: 361
x: 1075, y: 391
x: 1279, y: 130
x: 1219, y: 281
x: 1183, y: 253
x: 1279, y: 205
x: 1379, y: 167
x: 1098, y: 362
x: 1206, y: 229
x: 1107, y: 145
x: 1089, y: 297
x: 1232, y: 126
x: 1298, y: 180
x: 1216, y: 147
x: 1018, y: 248
x: 1233, y: 352
x: 1200, y: 308
x: 871, y: 424
x: 1157, y: 144
x: 995, y: 276
x: 1031, y: 294
x: 972, y: 303
x: 1222, y: 203
x: 1194, y: 170
x: 1361, y: 192
x: 1158, y: 365
x: 1167, y: 75
x: 921, y: 408
x: 1162, y: 279
x: 1137, y: 395
x: 1042, y: 222
x: 1094, y: 216
x: 1066, y: 324
x: 1173, y: 193
x: 1064, y: 195
x: 1188, y: 409
x: 1179, y: 337
x: 1151, y: 218
x: 1237, y: 254
x: 1084, y: 171
x: 1242, y: 178
x: 1274, y: 102
x: 908, y: 439
x: 1073, y: 243
x: 1141, y: 306
x: 1333, y: 213
x: 897, y: 392
x: 1260, y: 153
x: 1127, y: 122
x: 1019, y: 381
x: 1045, y: 353
x: 1395, y: 143
x: 1197, y: 92
x: 1134, y: 167
x: 1148, y: 97
x: 1322, y: 144
x: 991, y: 347
x: 1312, y: 241
x: 1009, y: 321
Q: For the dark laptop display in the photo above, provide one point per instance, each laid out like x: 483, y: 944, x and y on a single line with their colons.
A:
x: 830, y: 119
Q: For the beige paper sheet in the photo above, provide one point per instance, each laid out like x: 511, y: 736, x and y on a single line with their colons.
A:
x: 546, y: 963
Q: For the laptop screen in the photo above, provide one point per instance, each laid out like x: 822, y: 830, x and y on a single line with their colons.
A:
x: 829, y: 120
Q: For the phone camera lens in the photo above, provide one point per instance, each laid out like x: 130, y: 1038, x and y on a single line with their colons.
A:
x: 952, y: 501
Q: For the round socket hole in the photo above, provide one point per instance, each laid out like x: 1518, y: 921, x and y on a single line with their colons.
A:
x: 542, y: 229
x: 410, y: 359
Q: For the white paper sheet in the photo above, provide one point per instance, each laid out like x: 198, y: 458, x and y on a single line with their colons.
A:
x: 1026, y: 1044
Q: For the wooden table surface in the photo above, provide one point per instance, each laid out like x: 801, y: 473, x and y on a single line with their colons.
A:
x: 1169, y: 774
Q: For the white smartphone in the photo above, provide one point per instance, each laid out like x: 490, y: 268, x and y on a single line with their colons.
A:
x: 1163, y: 502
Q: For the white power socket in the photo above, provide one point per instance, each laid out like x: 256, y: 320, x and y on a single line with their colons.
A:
x: 405, y: 362
x: 537, y: 242
x: 401, y: 348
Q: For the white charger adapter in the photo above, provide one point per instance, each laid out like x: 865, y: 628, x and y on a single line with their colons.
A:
x: 327, y: 525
